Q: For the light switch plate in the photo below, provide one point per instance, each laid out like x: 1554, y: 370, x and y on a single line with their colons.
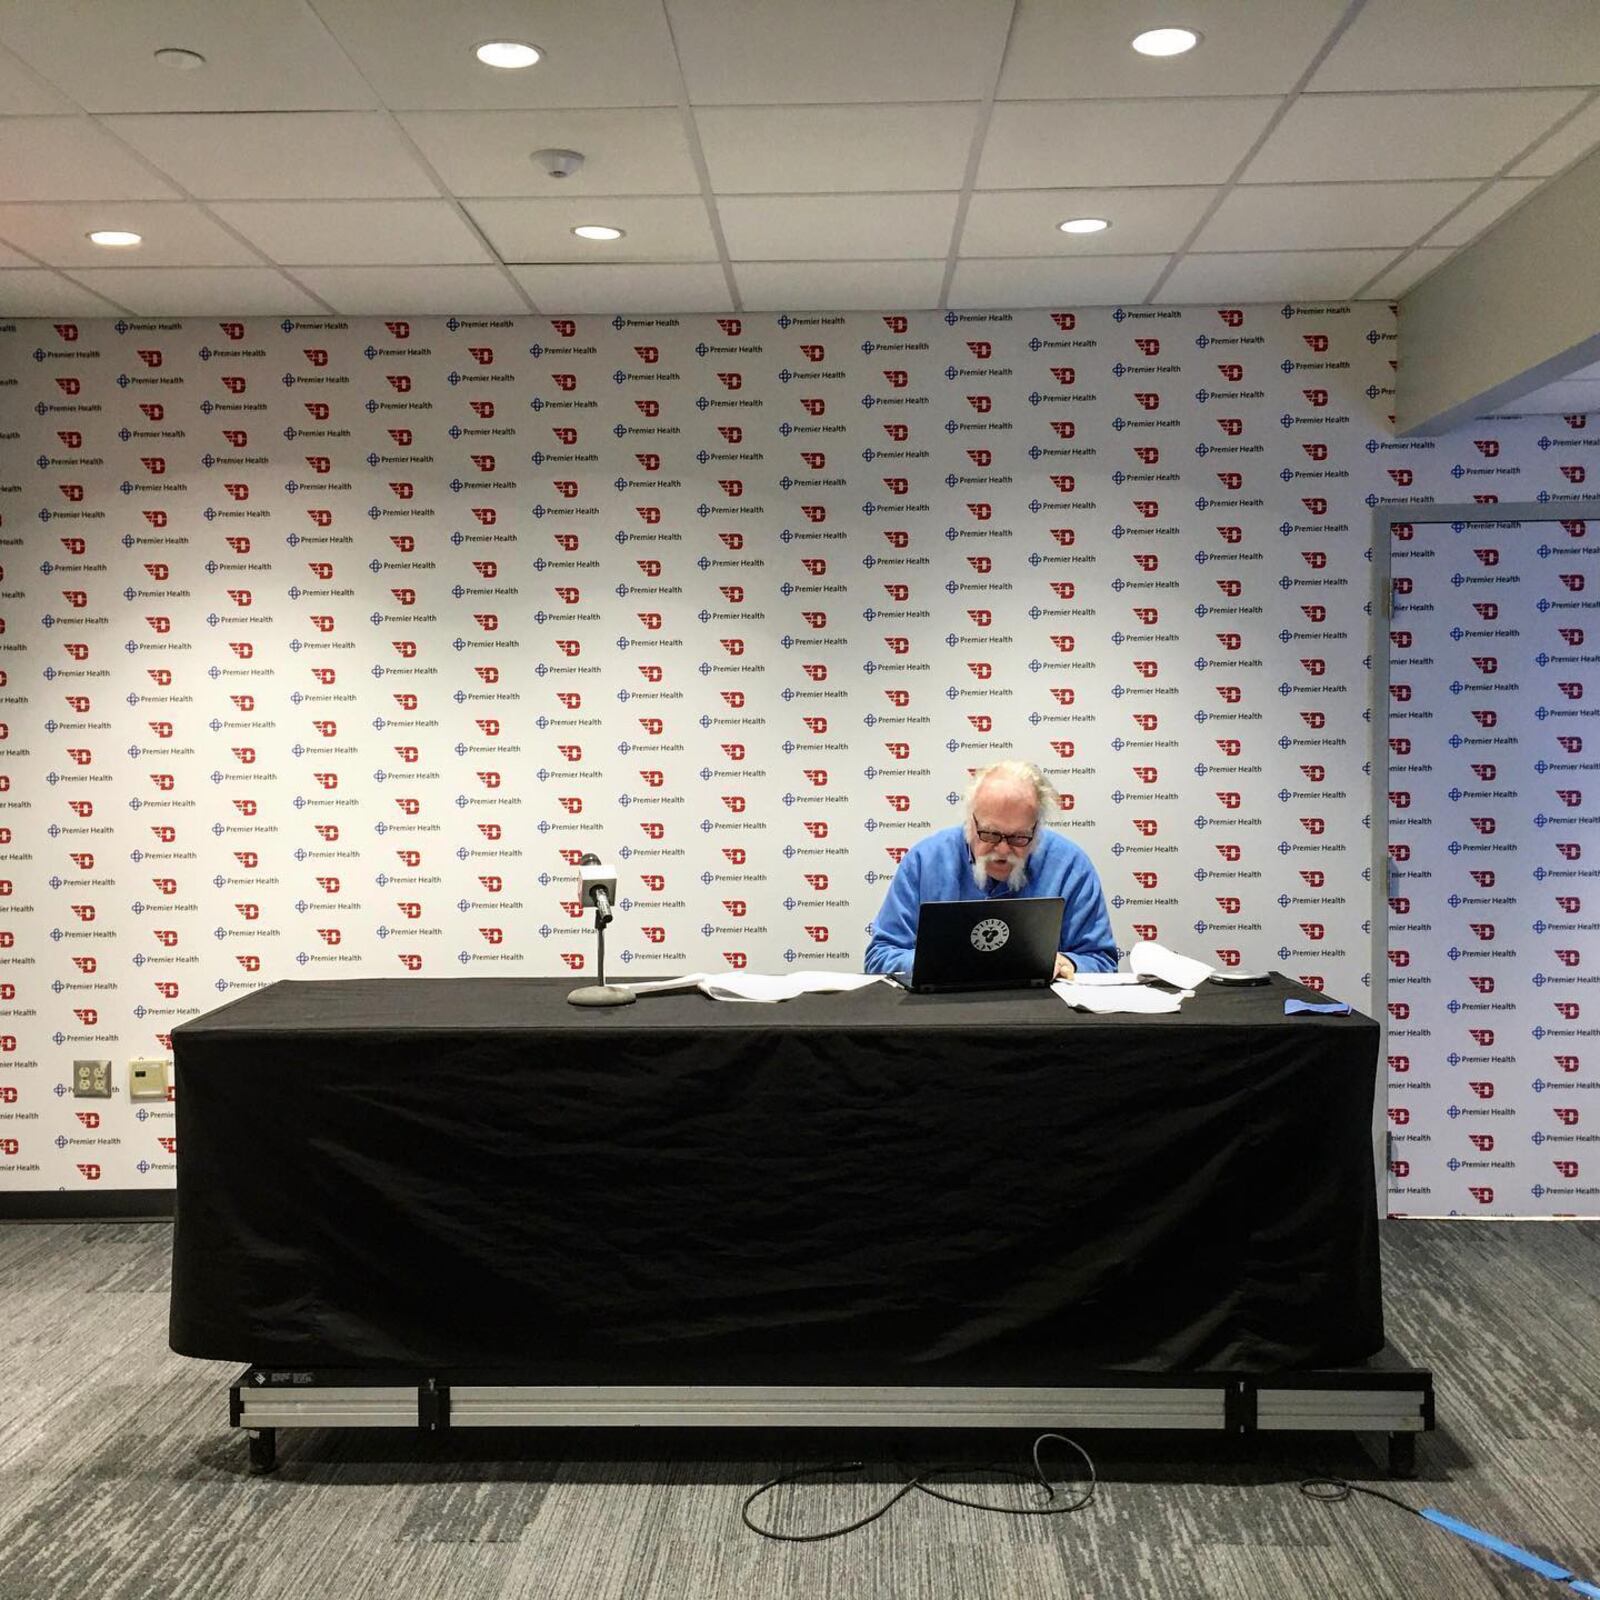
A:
x: 147, y: 1078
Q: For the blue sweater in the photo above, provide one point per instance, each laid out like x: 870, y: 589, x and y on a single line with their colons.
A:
x: 940, y: 868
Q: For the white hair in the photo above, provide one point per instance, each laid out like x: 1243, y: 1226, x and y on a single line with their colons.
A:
x: 1021, y: 774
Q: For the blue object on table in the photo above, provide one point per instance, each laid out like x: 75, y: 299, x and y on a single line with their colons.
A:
x: 1325, y: 1008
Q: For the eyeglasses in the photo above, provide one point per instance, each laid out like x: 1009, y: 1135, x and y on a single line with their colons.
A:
x: 1017, y: 841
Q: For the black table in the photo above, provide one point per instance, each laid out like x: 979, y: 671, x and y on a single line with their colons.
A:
x: 875, y: 1188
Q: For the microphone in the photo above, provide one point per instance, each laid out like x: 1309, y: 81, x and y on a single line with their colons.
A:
x: 597, y: 887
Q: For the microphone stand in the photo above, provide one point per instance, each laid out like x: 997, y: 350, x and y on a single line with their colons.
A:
x: 601, y: 993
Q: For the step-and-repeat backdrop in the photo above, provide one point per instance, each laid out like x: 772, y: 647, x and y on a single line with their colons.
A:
x: 330, y: 646
x: 1494, y: 851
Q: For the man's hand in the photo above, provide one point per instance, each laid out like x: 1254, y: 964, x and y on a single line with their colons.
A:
x: 1065, y: 967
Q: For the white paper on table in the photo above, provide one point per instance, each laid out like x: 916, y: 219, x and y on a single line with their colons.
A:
x: 1104, y: 979
x: 786, y: 986
x: 1149, y: 959
x: 758, y: 987
x: 1138, y: 999
x: 684, y: 980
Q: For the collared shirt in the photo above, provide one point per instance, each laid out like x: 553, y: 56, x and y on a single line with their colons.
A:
x: 940, y: 868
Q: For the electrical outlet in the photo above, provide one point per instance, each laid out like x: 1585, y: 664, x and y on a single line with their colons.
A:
x: 147, y: 1079
x: 91, y: 1080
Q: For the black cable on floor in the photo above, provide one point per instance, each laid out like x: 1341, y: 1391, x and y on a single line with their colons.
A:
x: 1328, y: 1490
x: 919, y: 1483
x: 1333, y: 1490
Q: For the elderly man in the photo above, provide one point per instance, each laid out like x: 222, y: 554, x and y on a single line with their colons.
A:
x: 1000, y: 850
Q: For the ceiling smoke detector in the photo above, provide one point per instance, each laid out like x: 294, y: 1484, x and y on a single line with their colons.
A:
x: 558, y: 163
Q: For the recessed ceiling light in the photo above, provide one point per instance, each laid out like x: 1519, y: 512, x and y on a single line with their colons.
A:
x: 595, y: 230
x: 1084, y: 225
x: 180, y: 60
x: 507, y: 53
x: 1166, y: 41
x: 115, y: 238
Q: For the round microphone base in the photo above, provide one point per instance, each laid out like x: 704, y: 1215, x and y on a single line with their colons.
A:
x: 602, y: 994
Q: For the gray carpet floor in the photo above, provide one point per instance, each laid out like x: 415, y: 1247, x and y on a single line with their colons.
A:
x: 119, y: 1477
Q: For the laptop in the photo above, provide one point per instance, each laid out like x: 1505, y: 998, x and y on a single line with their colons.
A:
x: 985, y: 944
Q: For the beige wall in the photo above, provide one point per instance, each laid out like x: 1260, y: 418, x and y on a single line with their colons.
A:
x: 1518, y: 309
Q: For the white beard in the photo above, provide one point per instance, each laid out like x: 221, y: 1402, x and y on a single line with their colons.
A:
x: 1014, y: 879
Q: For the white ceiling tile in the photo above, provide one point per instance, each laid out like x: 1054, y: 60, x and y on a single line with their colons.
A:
x: 838, y: 227
x: 1023, y: 222
x: 1105, y: 281
x: 1563, y: 147
x: 1328, y: 216
x: 280, y: 155
x: 839, y: 285
x: 1572, y: 397
x: 328, y: 233
x: 1271, y: 276
x: 626, y: 151
x: 1403, y: 274
x: 26, y: 94
x: 376, y: 291
x: 1482, y: 212
x: 175, y: 235
x: 261, y: 55
x: 69, y: 158
x: 835, y: 149
x: 1564, y: 398
x: 654, y: 228
x: 630, y: 287
x: 1100, y: 143
x: 777, y: 52
x: 1328, y: 137
x: 1068, y: 49
x: 418, y: 54
x: 1448, y: 44
x: 33, y: 292
x: 197, y: 291
x: 14, y: 258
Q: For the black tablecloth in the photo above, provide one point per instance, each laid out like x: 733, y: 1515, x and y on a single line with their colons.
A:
x: 876, y: 1187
